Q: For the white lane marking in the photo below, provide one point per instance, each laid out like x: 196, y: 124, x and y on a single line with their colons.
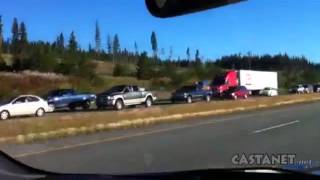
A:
x: 274, y: 127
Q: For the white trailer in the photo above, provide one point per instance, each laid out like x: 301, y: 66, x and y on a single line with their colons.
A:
x: 258, y: 80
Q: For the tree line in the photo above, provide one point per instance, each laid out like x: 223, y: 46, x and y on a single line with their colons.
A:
x: 65, y: 56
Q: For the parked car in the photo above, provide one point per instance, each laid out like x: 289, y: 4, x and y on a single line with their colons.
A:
x: 124, y: 95
x: 299, y: 89
x: 190, y: 93
x: 237, y: 92
x: 69, y: 98
x: 316, y: 88
x: 308, y: 88
x: 269, y: 92
x: 22, y: 106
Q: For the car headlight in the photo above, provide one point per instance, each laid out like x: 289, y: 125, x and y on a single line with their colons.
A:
x: 56, y: 99
x: 232, y: 94
x: 110, y: 98
x: 185, y: 95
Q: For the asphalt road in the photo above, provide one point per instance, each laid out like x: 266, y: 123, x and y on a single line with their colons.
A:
x: 194, y: 144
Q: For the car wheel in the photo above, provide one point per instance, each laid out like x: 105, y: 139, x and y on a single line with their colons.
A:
x: 189, y: 99
x: 208, y: 98
x: 235, y: 97
x: 40, y: 112
x: 4, y: 115
x: 86, y: 105
x: 148, y: 102
x: 72, y: 107
x: 119, y: 105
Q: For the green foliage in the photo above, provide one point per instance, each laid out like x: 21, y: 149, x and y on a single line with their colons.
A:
x: 144, y: 67
x: 122, y: 70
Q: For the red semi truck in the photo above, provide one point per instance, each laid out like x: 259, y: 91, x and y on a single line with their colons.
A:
x: 254, y: 81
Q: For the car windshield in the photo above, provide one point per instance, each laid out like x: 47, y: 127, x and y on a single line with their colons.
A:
x: 219, y: 81
x: 170, y: 85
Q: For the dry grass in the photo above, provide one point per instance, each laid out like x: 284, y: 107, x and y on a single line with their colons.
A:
x: 29, y: 82
x: 69, y: 124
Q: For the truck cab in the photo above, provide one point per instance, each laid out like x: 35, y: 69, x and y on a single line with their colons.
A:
x: 222, y: 83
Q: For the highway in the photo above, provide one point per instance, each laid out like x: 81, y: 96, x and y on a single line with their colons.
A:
x: 193, y: 144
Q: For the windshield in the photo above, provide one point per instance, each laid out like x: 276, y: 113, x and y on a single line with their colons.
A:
x: 161, y: 94
x: 219, y: 81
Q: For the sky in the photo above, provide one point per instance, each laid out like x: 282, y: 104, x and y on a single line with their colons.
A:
x: 256, y: 26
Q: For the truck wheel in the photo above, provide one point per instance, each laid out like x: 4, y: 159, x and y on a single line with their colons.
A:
x: 40, y: 112
x: 4, y: 115
x: 148, y: 102
x: 119, y: 105
x: 189, y: 99
x: 208, y: 98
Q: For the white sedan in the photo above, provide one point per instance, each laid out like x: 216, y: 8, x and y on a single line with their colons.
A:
x: 269, y: 92
x: 24, y: 105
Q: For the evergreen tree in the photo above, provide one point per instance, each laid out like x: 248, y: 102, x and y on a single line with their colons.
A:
x: 154, y: 44
x: 170, y: 53
x: 23, y: 36
x: 60, y: 43
x: 188, y: 54
x: 73, y: 44
x: 116, y: 45
x: 98, y: 38
x: 23, y: 41
x: 136, y: 49
x: 197, y: 56
x: 1, y: 36
x: 15, y: 36
x: 109, y: 45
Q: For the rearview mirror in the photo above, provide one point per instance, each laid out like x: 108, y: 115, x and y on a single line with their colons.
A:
x: 171, y: 8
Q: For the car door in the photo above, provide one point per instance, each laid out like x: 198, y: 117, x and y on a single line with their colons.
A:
x: 238, y: 92
x: 66, y: 98
x: 138, y: 96
x: 19, y: 107
x: 128, y: 95
x: 196, y: 92
x: 33, y: 105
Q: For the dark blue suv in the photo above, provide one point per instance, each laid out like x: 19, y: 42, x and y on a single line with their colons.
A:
x: 190, y: 93
x: 69, y: 98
